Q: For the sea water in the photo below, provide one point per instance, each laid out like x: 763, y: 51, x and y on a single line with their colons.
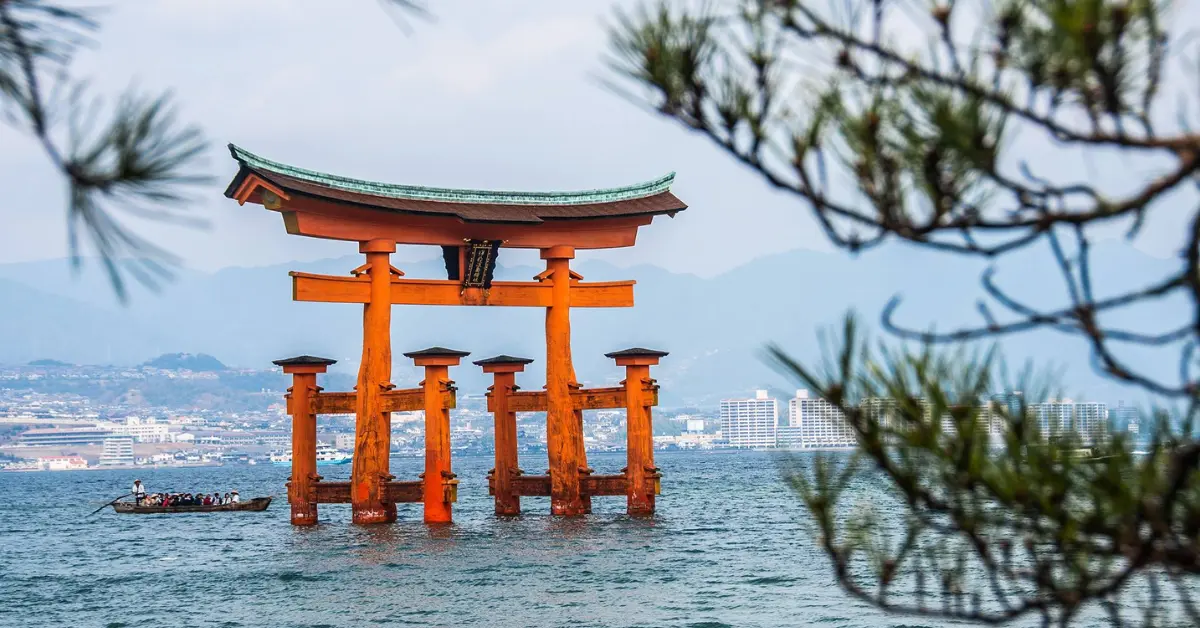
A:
x: 730, y: 546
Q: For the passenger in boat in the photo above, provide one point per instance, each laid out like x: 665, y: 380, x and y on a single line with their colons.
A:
x: 226, y: 499
x: 207, y: 501
x: 234, y: 498
x: 139, y: 492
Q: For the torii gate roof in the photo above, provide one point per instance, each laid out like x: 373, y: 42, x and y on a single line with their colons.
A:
x: 642, y: 199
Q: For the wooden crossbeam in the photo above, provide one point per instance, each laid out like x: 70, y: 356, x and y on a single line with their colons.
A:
x: 333, y: 289
x: 599, y: 485
x: 522, y: 401
x: 332, y: 492
x: 596, y: 485
x: 598, y: 398
x: 583, y: 398
x: 531, y: 485
x: 399, y: 400
x: 405, y: 492
x: 331, y: 403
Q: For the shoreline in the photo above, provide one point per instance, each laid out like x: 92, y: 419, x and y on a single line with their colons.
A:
x: 117, y: 468
x: 722, y: 450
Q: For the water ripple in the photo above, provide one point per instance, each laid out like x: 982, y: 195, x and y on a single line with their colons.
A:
x: 728, y: 548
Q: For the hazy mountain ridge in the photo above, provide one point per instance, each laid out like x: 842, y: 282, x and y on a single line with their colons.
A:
x: 715, y: 328
x: 199, y: 362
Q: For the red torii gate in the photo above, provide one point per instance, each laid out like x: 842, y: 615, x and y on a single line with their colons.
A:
x: 470, y: 226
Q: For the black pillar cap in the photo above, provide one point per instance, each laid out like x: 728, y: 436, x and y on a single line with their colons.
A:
x: 437, y: 352
x: 502, y: 359
x: 304, y: 360
x: 637, y: 352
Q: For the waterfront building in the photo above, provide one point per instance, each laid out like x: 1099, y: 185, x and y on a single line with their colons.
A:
x: 687, y: 440
x: 1056, y: 418
x: 1126, y: 418
x: 1011, y: 402
x: 275, y: 439
x: 750, y: 423
x: 57, y: 437
x: 344, y: 442
x: 62, y: 463
x: 694, y: 426
x: 142, y: 430
x: 815, y: 423
x: 883, y: 410
x: 118, y: 451
x: 207, y: 438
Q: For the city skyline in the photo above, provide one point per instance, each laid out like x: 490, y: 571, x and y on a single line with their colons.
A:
x: 815, y: 423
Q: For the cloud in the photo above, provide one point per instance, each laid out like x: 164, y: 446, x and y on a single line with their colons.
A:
x: 463, y: 65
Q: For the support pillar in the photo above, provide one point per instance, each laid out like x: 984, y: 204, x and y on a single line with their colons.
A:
x: 642, y: 475
x: 440, y: 488
x: 373, y: 427
x: 564, y: 429
x: 301, y: 487
x: 504, y: 369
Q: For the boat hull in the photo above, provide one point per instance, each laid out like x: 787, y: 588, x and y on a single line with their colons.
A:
x: 258, y: 504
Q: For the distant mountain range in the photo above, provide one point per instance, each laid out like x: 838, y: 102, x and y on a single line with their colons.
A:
x: 715, y: 328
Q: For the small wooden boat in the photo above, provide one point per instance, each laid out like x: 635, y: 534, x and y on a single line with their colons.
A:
x: 258, y: 504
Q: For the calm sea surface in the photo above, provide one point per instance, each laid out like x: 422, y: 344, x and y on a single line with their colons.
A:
x: 729, y: 547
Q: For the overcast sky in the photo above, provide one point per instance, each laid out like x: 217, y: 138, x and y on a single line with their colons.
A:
x: 491, y: 95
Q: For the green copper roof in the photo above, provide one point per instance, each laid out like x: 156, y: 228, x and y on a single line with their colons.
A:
x: 413, y: 192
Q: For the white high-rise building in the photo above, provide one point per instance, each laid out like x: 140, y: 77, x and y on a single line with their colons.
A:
x: 814, y: 423
x: 1126, y: 418
x: 1088, y: 419
x: 750, y: 423
x: 147, y: 430
x: 118, y: 450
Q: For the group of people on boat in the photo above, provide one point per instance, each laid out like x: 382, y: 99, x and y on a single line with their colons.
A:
x: 181, y: 499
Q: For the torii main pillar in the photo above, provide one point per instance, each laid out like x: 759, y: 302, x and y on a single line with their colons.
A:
x: 370, y: 469
x: 564, y: 424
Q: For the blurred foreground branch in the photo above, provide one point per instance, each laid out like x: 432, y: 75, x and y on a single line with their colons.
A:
x: 138, y: 160
x: 133, y: 157
x: 998, y: 514
x: 922, y: 120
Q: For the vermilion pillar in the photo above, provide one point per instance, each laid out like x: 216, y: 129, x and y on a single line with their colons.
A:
x: 440, y: 483
x: 564, y: 431
x: 373, y: 426
x: 504, y: 369
x: 639, y: 390
x: 302, y: 494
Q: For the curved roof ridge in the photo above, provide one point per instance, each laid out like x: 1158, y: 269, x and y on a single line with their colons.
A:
x: 452, y: 195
